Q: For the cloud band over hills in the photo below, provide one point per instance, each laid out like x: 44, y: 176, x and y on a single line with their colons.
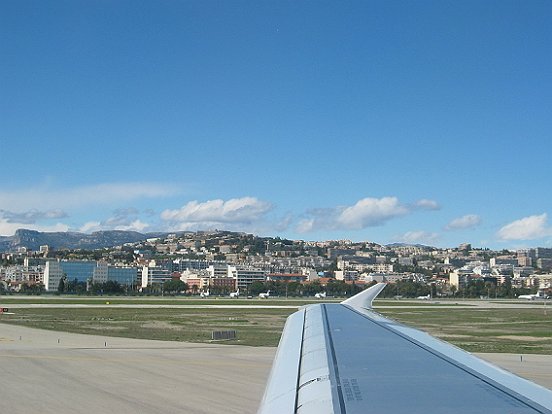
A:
x: 56, y: 209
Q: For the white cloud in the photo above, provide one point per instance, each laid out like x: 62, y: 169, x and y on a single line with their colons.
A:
x: 10, y: 221
x: 9, y: 228
x: 47, y: 198
x: 305, y: 226
x: 370, y: 212
x: 426, y: 204
x: 90, y: 226
x: 283, y: 223
x: 31, y: 207
x: 419, y: 237
x: 465, y: 222
x: 527, y: 228
x: 31, y: 216
x: 367, y: 212
x: 122, y: 219
x: 213, y: 213
x: 136, y: 225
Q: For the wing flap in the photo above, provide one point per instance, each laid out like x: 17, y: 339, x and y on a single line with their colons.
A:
x: 281, y: 390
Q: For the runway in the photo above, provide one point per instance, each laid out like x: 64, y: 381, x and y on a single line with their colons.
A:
x: 281, y: 304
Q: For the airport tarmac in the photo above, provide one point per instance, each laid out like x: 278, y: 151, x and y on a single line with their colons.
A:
x: 536, y: 368
x: 87, y: 374
x: 56, y: 372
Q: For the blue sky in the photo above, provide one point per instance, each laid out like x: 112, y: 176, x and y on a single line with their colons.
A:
x: 424, y: 122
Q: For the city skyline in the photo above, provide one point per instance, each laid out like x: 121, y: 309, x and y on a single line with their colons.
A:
x: 380, y: 121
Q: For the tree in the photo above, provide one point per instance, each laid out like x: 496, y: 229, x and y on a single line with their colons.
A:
x: 109, y: 287
x: 312, y: 288
x: 174, y: 287
x: 257, y: 287
x: 62, y: 283
x: 406, y: 288
x: 36, y: 289
x: 337, y: 288
x: 75, y: 287
x: 354, y: 289
x: 96, y: 288
x: 112, y: 286
x: 293, y: 288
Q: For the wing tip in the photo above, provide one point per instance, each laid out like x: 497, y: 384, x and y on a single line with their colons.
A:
x: 364, y: 299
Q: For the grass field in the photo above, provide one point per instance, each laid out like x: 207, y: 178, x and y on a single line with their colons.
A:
x: 257, y: 327
x: 484, y: 330
x: 476, y: 330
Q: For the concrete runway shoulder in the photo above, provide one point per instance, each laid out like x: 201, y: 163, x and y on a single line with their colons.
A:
x: 54, y: 372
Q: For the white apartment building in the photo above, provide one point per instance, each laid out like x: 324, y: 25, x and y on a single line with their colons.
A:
x: 460, y: 279
x: 539, y: 281
x: 385, y: 277
x: 383, y: 268
x: 154, y: 275
x: 245, y: 276
x: 347, y: 275
x: 52, y: 275
x: 218, y: 270
x: 99, y: 274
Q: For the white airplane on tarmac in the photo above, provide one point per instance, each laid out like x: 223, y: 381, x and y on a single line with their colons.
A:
x: 530, y: 297
x: 235, y: 295
x: 204, y: 294
x: 264, y: 295
x: 320, y: 295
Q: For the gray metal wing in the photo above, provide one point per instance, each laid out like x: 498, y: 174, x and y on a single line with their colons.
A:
x: 346, y: 358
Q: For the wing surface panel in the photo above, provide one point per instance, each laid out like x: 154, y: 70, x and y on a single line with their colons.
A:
x: 526, y: 389
x: 383, y: 371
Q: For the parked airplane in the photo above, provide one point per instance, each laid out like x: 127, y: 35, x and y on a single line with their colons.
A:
x: 264, y: 295
x: 530, y: 297
x: 320, y: 295
x: 204, y: 294
x: 236, y: 294
x: 426, y: 297
x: 346, y: 358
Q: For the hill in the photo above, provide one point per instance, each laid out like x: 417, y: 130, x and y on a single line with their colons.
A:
x: 32, y: 240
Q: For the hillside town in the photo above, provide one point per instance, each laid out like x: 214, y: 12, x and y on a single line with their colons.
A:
x: 211, y: 263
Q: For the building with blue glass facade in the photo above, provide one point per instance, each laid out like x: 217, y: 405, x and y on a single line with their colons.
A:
x: 126, y: 276
x: 82, y: 270
x: 99, y: 272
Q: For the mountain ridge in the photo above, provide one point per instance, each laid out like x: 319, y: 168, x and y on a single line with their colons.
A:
x: 32, y: 239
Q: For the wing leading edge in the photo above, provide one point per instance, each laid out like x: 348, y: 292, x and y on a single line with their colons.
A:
x: 346, y: 358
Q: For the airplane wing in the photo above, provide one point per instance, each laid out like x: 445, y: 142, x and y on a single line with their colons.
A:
x: 346, y: 358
